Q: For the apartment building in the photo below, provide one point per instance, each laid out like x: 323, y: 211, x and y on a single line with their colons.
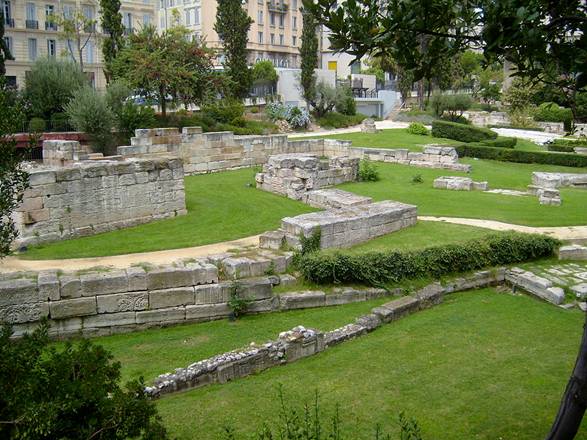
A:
x: 31, y: 35
x: 275, y: 34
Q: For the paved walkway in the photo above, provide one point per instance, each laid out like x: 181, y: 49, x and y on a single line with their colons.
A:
x: 11, y: 264
x: 538, y: 137
x: 380, y: 125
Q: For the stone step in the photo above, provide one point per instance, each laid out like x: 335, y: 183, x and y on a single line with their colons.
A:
x: 335, y: 198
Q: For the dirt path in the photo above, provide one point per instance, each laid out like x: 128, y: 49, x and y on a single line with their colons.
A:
x: 12, y: 264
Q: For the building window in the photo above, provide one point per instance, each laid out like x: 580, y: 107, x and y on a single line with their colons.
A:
x: 161, y: 4
x: 260, y: 37
x: 272, y: 19
x: 146, y: 20
x: 51, y: 48
x: 31, y: 12
x: 294, y: 40
x: 188, y: 14
x: 272, y: 38
x: 127, y: 21
x: 89, y: 52
x: 294, y: 4
x: 49, y: 12
x: 8, y: 20
x: 281, y: 40
x: 88, y: 12
x: 281, y: 20
x: 162, y: 22
x: 260, y: 17
x: 294, y: 22
x: 68, y: 12
x: 32, y: 49
x: 8, y: 43
x: 356, y: 67
x: 197, y: 15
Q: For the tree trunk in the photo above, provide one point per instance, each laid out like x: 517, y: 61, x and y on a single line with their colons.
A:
x: 574, y: 402
x: 421, y: 94
x: 162, y: 103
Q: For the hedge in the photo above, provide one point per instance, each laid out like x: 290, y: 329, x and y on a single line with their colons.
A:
x: 518, y: 156
x: 461, y: 132
x: 379, y: 268
x: 571, y: 142
x: 560, y: 148
x: 500, y: 142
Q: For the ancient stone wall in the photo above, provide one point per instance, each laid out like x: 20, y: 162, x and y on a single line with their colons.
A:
x: 558, y: 180
x: 89, y: 197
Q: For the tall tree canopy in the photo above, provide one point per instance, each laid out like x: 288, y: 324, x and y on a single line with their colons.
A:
x: 309, y: 56
x: 4, y: 50
x: 232, y: 26
x: 112, y: 26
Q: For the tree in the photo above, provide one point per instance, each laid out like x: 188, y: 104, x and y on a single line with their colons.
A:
x: 4, y: 50
x: 167, y: 65
x: 13, y: 178
x: 232, y: 26
x: 111, y: 19
x: 264, y: 71
x: 77, y: 31
x: 69, y: 392
x: 309, y: 56
x: 50, y: 85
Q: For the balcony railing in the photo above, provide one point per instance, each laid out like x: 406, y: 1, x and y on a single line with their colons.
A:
x: 32, y: 24
x: 50, y: 26
x: 9, y: 22
x: 90, y: 28
x: 277, y: 7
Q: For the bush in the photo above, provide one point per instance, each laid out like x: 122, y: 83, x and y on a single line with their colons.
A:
x: 51, y: 84
x: 37, y: 125
x: 450, y: 107
x: 501, y: 142
x: 380, y: 268
x: 60, y: 122
x: 134, y: 116
x: 224, y: 111
x: 417, y: 128
x: 520, y: 118
x: 338, y: 120
x: 460, y: 132
x: 566, y: 145
x: 325, y: 100
x: 117, y: 93
x: 71, y: 391
x: 560, y: 148
x: 296, y: 117
x: 368, y: 171
x: 264, y: 71
x: 88, y: 112
x: 345, y: 101
x: 519, y: 156
x: 552, y: 112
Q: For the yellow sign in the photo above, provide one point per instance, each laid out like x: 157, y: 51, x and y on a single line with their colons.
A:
x: 332, y: 65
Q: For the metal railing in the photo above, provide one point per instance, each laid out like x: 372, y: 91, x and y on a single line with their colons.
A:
x: 32, y: 24
x: 277, y: 7
x: 9, y: 22
x: 50, y: 26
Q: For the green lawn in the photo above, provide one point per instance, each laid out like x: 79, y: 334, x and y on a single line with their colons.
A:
x: 152, y: 352
x: 396, y: 184
x: 480, y: 366
x: 221, y: 206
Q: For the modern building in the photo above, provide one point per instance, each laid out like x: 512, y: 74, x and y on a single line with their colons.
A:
x: 275, y: 34
x: 30, y: 34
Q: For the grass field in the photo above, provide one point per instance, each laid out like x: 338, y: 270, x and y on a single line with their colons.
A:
x: 481, y: 365
x: 221, y: 206
x: 400, y: 138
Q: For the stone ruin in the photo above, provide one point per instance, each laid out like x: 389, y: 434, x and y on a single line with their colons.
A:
x: 459, y: 183
x: 349, y: 219
x: 432, y: 156
x: 294, y: 175
x: 546, y: 185
x: 368, y: 126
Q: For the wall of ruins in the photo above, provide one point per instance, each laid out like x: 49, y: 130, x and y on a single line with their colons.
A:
x: 90, y: 197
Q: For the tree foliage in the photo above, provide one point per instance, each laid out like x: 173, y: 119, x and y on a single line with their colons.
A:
x: 111, y: 19
x: 76, y: 31
x: 309, y: 57
x: 167, y: 65
x: 4, y: 50
x: 51, y: 84
x: 70, y: 392
x: 232, y: 26
x: 264, y: 71
x: 13, y: 179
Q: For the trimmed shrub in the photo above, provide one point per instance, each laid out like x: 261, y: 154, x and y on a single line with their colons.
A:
x: 338, y: 120
x: 519, y: 156
x: 368, y: 171
x: 345, y: 101
x: 224, y: 110
x: 37, y: 125
x: 417, y: 128
x: 501, y: 142
x: 60, y: 122
x: 131, y: 116
x: 552, y: 112
x: 380, y: 268
x: 560, y: 148
x: 461, y: 132
x: 450, y: 107
x: 571, y: 142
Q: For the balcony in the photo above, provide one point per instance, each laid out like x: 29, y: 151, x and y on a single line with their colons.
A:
x: 90, y: 28
x: 280, y: 8
x: 9, y: 22
x: 32, y: 24
x: 50, y: 26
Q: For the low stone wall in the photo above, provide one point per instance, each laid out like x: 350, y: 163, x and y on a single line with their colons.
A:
x: 538, y: 286
x: 484, y: 119
x: 459, y: 183
x: 86, y: 198
x: 552, y: 127
x: 106, y: 301
x: 294, y: 175
x: 572, y: 252
x: 432, y: 156
x: 558, y: 180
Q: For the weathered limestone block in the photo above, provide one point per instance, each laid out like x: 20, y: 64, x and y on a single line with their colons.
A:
x: 18, y: 291
x: 272, y: 240
x: 346, y: 297
x: 48, y: 283
x: 172, y: 314
x: 159, y: 299
x: 430, y: 295
x: 369, y: 322
x: 335, y: 198
x: 67, y: 308
x: 368, y: 126
x: 212, y: 293
x: 26, y: 312
x: 343, y: 334
x: 203, y: 273
x: 256, y: 289
x: 535, y: 285
x: 109, y: 320
x: 302, y: 300
x: 580, y: 290
x: 548, y: 196
x: 137, y: 278
x: 123, y: 302
x: 572, y: 252
x: 557, y: 180
x: 206, y: 311
x: 168, y: 276
x: 263, y: 305
x: 70, y: 286
x: 397, y: 308
x: 104, y: 283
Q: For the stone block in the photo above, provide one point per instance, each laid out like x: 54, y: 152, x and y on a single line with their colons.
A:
x: 345, y: 297
x: 287, y: 280
x: 70, y: 286
x: 369, y: 322
x: 580, y: 290
x: 137, y: 278
x: 212, y: 293
x: 203, y: 273
x: 48, y: 283
x: 172, y: 314
x: 181, y: 296
x: 104, y: 283
x: 272, y: 240
x: 123, y: 302
x: 572, y: 252
x: 26, y: 312
x: 109, y: 320
x: 18, y: 291
x: 168, y: 277
x: 302, y: 300
x: 396, y: 309
x: 430, y: 295
x: 68, y: 308
x: 256, y: 289
x: 206, y: 311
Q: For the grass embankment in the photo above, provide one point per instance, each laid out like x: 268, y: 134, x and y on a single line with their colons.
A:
x: 482, y: 365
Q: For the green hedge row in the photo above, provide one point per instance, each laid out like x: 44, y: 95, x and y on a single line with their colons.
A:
x: 500, y: 142
x: 571, y: 142
x: 379, y: 268
x: 560, y: 148
x: 461, y: 132
x: 510, y: 155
